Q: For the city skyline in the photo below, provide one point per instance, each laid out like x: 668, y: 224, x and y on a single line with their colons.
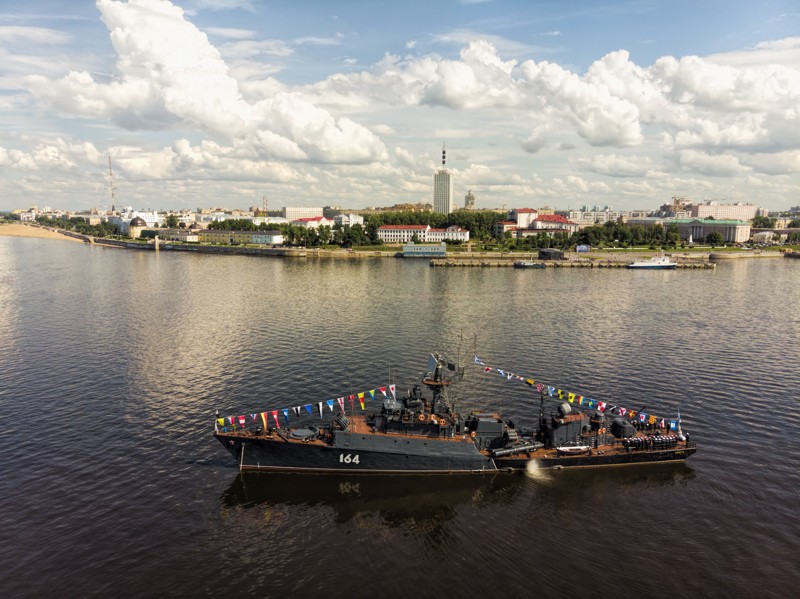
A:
x: 223, y: 102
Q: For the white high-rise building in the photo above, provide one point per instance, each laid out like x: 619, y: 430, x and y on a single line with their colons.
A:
x: 443, y: 189
x: 295, y: 212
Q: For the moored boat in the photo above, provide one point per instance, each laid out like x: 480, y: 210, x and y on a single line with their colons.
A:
x: 655, y: 263
x: 419, y: 434
x: 528, y: 264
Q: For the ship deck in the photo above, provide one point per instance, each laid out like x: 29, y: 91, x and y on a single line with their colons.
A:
x: 358, y: 426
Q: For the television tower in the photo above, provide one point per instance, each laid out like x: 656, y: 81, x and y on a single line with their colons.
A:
x: 111, y: 185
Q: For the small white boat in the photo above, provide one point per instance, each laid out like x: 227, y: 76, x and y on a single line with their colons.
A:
x: 528, y: 264
x: 655, y: 263
x: 573, y: 449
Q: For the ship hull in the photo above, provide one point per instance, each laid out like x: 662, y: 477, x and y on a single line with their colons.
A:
x: 358, y: 454
x: 648, y: 266
x: 361, y: 454
x: 552, y: 460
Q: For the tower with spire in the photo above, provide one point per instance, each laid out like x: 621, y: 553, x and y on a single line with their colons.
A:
x: 443, y: 187
x: 469, y: 201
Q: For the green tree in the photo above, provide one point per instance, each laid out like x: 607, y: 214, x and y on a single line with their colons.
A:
x: 171, y: 222
x: 764, y: 222
x: 715, y: 238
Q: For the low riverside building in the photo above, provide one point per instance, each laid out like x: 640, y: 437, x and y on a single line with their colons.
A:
x: 504, y: 226
x: 547, y: 223
x: 348, y: 220
x: 312, y: 222
x: 295, y: 212
x: 413, y: 250
x: 151, y: 219
x: 402, y: 233
x: 695, y: 230
x: 527, y: 222
x: 422, y: 233
x: 182, y: 235
x: 717, y: 211
x: 241, y: 237
x: 451, y: 233
x: 523, y: 216
x: 136, y: 226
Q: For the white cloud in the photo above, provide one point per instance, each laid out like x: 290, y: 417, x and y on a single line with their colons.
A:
x: 231, y: 33
x: 779, y: 163
x: 599, y: 116
x: 177, y: 106
x: 60, y: 155
x: 614, y: 165
x: 225, y: 4
x: 784, y: 51
x: 465, y: 37
x: 33, y: 35
x: 254, y: 48
x: 711, y: 165
x: 319, y: 41
x: 168, y: 74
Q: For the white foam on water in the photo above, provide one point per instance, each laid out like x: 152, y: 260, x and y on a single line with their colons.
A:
x: 533, y: 471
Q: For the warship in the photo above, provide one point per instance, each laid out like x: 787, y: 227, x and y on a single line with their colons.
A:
x: 425, y: 434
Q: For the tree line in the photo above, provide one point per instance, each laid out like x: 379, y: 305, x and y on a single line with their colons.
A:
x: 79, y: 225
x: 480, y: 224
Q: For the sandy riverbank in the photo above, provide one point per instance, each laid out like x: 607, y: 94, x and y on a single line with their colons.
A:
x: 20, y: 230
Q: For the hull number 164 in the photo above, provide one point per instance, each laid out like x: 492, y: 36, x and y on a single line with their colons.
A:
x: 346, y: 458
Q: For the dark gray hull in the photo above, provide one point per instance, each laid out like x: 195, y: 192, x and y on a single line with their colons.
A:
x: 617, y: 458
x: 359, y: 454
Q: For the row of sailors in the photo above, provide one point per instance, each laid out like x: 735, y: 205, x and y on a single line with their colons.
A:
x: 655, y: 441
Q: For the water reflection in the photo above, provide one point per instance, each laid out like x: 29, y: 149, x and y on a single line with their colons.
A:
x: 596, y: 481
x: 425, y: 504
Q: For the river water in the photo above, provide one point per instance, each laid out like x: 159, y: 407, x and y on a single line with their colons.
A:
x: 113, y: 363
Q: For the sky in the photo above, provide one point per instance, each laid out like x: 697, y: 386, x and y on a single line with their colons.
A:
x: 561, y: 103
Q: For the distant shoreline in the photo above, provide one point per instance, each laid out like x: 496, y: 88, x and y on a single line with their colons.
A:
x: 20, y: 230
x: 503, y: 258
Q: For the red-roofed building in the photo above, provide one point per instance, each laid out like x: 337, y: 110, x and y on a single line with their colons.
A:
x: 517, y: 218
x: 312, y: 222
x: 523, y: 216
x: 402, y: 233
x: 524, y: 222
x: 424, y: 233
x: 549, y: 223
x: 451, y: 233
x: 503, y: 226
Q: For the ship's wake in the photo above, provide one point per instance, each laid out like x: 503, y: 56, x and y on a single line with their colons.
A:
x: 533, y: 471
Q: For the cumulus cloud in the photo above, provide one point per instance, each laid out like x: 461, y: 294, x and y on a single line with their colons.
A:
x: 599, y: 116
x: 779, y: 163
x: 732, y: 115
x: 711, y: 165
x: 60, y: 155
x: 478, y: 79
x: 169, y: 75
x: 614, y: 165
